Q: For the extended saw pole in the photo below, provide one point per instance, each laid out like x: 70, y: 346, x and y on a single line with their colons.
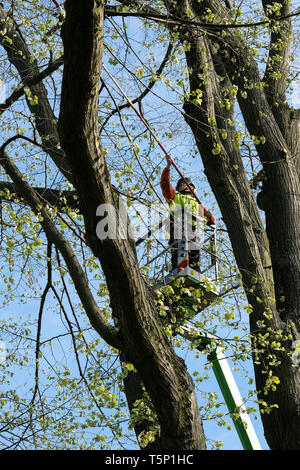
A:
x: 152, y: 133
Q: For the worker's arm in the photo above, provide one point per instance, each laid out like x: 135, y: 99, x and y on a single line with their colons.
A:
x: 211, y: 220
x: 166, y: 187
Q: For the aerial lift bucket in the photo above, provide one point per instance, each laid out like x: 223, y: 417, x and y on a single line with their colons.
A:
x: 185, y: 280
x: 202, y: 280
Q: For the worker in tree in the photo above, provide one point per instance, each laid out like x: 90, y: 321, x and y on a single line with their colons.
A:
x: 182, y: 201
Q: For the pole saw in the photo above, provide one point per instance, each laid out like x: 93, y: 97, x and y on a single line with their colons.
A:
x: 169, y: 157
x: 153, y: 134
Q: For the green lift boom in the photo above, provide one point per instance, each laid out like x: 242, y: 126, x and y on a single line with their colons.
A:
x: 227, y: 384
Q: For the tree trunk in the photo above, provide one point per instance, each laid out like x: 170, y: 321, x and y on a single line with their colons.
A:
x: 141, y: 334
x: 268, y: 260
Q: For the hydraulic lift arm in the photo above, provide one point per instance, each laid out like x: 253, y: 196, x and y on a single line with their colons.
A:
x: 227, y: 385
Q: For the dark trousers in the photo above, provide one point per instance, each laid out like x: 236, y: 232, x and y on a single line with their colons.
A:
x: 194, y: 259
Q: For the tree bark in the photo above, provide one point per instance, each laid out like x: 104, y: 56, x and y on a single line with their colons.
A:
x: 268, y: 260
x: 20, y: 57
x: 141, y: 333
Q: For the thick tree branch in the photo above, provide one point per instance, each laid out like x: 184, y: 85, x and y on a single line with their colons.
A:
x: 279, y: 51
x: 106, y: 331
x: 62, y: 200
x: 52, y: 67
x: 20, y: 57
x: 176, y: 20
x: 276, y: 74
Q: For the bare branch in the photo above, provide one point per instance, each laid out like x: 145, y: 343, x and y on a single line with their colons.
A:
x: 147, y: 88
x: 279, y: 52
x: 172, y: 20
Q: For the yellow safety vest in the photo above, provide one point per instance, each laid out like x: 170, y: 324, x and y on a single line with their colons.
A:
x: 184, y: 201
x: 188, y: 204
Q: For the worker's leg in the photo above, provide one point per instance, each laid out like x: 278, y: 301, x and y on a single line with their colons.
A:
x: 194, y: 260
x: 174, y: 257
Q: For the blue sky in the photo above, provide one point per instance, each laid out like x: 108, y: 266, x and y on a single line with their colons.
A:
x: 181, y: 151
